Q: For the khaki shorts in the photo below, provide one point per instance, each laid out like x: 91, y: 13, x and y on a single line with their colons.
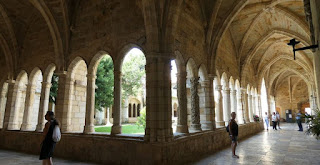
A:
x: 234, y: 139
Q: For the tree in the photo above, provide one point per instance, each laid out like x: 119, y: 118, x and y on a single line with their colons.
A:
x: 141, y: 121
x: 133, y: 72
x: 54, y: 89
x: 104, y: 84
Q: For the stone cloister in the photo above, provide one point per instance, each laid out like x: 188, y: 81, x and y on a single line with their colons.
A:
x: 226, y: 52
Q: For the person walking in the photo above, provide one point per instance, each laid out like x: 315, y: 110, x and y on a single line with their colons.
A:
x: 48, y: 145
x: 278, y: 119
x: 274, y: 121
x: 233, y: 133
x: 266, y: 120
x: 298, y: 118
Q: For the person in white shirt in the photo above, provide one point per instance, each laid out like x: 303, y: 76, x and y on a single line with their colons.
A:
x: 266, y: 120
x: 278, y: 119
x: 274, y: 121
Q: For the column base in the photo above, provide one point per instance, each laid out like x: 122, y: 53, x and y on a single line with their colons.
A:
x: 195, y: 127
x: 115, y: 129
x: 207, y: 126
x: 220, y: 124
x: 13, y: 126
x: 25, y: 127
x: 182, y: 129
x: 40, y: 127
x: 88, y: 129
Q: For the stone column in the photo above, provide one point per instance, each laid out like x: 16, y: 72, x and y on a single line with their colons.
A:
x: 64, y: 101
x: 90, y: 104
x: 125, y: 111
x: 11, y: 103
x: 3, y: 101
x: 259, y: 106
x: 159, y: 99
x: 30, y: 96
x: 245, y: 105
x: 182, y: 125
x: 195, y: 109
x: 207, y: 118
x: 233, y: 97
x: 240, y: 108
x: 116, y: 127
x: 226, y: 105
x: 250, y: 108
x: 44, y: 104
x: 219, y: 107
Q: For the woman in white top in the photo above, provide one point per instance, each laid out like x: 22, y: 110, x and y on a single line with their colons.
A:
x: 274, y: 121
x: 266, y: 120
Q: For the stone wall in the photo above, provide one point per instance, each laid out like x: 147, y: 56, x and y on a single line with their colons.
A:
x: 128, y: 150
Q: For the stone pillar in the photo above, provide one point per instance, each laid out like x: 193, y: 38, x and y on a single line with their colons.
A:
x: 64, y: 101
x: 116, y: 127
x: 240, y: 108
x: 259, y: 106
x: 250, y: 108
x: 182, y: 125
x: 233, y: 97
x: 207, y: 118
x: 195, y: 109
x: 219, y: 106
x: 3, y: 101
x: 226, y: 105
x: 90, y: 104
x: 44, y: 103
x: 11, y: 103
x: 30, y: 96
x: 125, y: 111
x: 159, y: 99
x: 245, y: 105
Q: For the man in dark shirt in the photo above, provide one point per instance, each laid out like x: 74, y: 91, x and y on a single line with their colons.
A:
x: 233, y: 133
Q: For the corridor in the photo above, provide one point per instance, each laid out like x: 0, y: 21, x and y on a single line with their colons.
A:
x: 286, y: 146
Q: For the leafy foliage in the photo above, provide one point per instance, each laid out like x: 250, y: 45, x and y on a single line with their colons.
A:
x: 133, y: 72
x: 54, y: 89
x: 314, y: 124
x: 104, y: 83
x: 141, y: 120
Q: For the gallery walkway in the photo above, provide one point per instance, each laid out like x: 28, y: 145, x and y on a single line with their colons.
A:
x: 285, y: 146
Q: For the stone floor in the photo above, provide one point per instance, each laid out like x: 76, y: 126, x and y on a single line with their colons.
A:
x: 15, y: 158
x: 285, y: 146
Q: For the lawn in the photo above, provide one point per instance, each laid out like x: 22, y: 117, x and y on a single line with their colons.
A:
x: 126, y: 129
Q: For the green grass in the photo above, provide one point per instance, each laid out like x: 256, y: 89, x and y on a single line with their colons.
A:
x: 126, y: 129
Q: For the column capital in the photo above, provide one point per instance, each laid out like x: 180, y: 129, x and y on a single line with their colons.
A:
x: 11, y: 81
x: 91, y: 76
x: 205, y: 83
x: 46, y: 83
x: 61, y: 73
x: 218, y: 87
x: 211, y: 76
x: 227, y: 89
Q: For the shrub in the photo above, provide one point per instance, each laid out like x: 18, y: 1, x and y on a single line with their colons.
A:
x: 141, y: 122
x: 314, y: 124
x: 256, y: 118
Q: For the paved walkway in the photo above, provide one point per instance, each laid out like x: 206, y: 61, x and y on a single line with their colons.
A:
x: 286, y: 146
x: 15, y: 158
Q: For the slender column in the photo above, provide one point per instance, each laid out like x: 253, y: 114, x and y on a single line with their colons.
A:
x: 233, y: 97
x: 259, y: 105
x: 195, y: 109
x: 3, y: 101
x: 11, y: 103
x: 250, y: 108
x: 44, y: 103
x: 211, y: 100
x: 89, y: 122
x: 30, y: 95
x: 64, y: 101
x: 116, y: 127
x: 219, y: 106
x: 226, y: 105
x: 182, y: 125
x: 125, y: 111
x: 240, y: 108
x: 245, y: 105
x: 158, y: 83
x: 207, y: 118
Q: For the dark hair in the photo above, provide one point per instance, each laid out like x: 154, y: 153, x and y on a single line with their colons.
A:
x: 51, y: 115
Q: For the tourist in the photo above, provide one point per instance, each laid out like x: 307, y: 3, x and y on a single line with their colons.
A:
x: 48, y: 145
x: 298, y: 118
x: 233, y: 133
x: 266, y: 120
x: 278, y: 119
x: 274, y: 121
